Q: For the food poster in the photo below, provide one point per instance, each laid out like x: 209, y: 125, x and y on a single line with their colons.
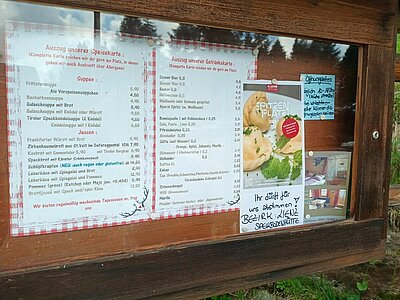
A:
x: 198, y: 126
x: 75, y: 128
x: 273, y: 155
x: 327, y: 176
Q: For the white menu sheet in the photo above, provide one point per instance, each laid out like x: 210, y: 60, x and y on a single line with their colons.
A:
x: 198, y: 121
x: 76, y: 130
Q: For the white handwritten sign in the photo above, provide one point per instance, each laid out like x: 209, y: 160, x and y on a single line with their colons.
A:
x: 270, y: 208
x: 319, y: 96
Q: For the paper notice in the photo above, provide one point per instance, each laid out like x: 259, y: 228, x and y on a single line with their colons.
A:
x: 273, y: 155
x: 198, y: 127
x: 319, y: 96
x: 76, y: 131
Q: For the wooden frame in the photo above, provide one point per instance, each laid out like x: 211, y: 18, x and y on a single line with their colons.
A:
x: 202, y: 268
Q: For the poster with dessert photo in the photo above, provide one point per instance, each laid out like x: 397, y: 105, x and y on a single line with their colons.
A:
x: 272, y: 151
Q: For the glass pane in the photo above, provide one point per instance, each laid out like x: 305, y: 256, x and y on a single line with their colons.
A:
x: 161, y: 120
x: 280, y: 58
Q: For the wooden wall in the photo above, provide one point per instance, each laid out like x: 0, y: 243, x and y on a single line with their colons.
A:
x: 205, y: 255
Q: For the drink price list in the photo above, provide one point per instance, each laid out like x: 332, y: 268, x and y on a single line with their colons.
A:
x: 198, y: 128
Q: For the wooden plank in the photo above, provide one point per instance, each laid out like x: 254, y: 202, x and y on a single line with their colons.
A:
x: 172, y: 270
x: 394, y: 195
x: 374, y: 113
x: 397, y: 69
x: 4, y: 175
x: 382, y: 5
x: 370, y: 22
x: 357, y: 125
x: 60, y: 248
x: 398, y: 20
x: 265, y: 278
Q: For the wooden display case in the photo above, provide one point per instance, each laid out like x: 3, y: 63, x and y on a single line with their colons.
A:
x: 206, y: 255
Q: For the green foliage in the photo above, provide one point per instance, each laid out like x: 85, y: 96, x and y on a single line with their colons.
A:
x: 296, y: 117
x: 295, y: 172
x: 140, y: 26
x: 277, y: 51
x: 220, y: 297
x: 284, y: 168
x: 298, y: 157
x: 203, y: 33
x: 395, y: 155
x: 398, y: 44
x: 375, y: 262
x: 362, y: 286
x: 395, y: 161
x: 240, y: 295
x: 313, y: 287
x: 270, y: 168
x: 388, y: 296
x: 247, y: 130
x: 283, y: 140
x: 297, y: 161
x: 299, y: 49
x: 352, y: 297
x: 303, y: 49
x: 256, y: 293
x: 396, y: 107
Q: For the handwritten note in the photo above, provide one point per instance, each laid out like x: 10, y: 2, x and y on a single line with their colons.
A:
x: 276, y: 207
x: 319, y: 96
